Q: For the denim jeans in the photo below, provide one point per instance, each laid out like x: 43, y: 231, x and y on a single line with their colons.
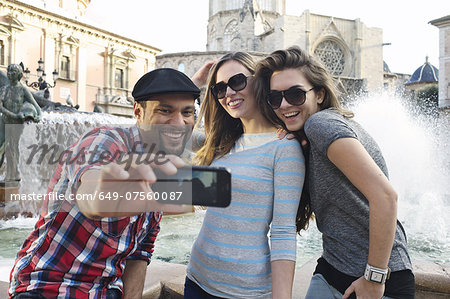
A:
x: 193, y: 291
x: 29, y: 295
x: 320, y: 289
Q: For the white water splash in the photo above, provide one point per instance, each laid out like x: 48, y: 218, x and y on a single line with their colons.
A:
x: 416, y: 149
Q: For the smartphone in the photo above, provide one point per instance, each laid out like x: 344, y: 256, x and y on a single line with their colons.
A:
x: 194, y: 185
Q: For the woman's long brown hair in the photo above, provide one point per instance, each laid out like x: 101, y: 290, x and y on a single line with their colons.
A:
x: 318, y: 76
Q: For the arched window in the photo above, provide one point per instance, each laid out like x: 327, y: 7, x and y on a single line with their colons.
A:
x: 332, y: 56
x: 230, y: 33
x: 166, y: 64
x: 181, y: 67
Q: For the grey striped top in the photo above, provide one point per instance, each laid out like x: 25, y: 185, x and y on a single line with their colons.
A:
x: 232, y: 254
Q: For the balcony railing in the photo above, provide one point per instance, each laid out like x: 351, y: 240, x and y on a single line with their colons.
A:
x: 67, y: 75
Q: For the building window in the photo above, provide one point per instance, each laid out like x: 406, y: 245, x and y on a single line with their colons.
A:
x: 229, y: 34
x: 117, y: 71
x: 118, y: 78
x: 64, y: 71
x: 2, y: 53
x: 181, y: 67
x: 332, y: 56
x: 66, y: 49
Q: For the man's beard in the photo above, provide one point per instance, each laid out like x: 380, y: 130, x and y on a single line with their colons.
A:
x: 167, y: 139
x: 173, y: 139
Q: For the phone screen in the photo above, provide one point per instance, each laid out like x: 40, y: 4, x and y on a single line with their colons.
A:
x: 195, y: 185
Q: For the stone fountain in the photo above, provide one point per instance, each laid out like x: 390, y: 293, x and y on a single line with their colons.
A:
x: 416, y: 151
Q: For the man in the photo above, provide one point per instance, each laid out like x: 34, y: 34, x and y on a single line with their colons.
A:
x: 100, y: 248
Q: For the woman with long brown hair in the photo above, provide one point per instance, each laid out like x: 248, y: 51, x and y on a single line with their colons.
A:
x: 232, y: 257
x: 355, y: 206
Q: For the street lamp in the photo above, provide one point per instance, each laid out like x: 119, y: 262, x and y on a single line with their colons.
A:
x: 41, y: 84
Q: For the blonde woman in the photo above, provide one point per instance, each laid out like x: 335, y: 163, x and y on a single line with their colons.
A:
x: 248, y: 249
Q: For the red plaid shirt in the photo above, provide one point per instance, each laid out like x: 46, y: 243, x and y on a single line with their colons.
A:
x: 71, y: 256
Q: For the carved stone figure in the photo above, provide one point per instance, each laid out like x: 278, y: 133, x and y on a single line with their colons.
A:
x: 17, y: 105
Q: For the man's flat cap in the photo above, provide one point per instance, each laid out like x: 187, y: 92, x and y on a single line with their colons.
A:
x: 164, y: 81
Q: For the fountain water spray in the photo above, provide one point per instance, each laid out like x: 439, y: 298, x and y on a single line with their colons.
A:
x: 416, y: 148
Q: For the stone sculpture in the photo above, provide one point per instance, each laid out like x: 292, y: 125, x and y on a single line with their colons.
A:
x: 17, y: 105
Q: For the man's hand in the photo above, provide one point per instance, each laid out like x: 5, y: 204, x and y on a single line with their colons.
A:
x: 201, y: 76
x: 125, y: 189
x: 364, y: 289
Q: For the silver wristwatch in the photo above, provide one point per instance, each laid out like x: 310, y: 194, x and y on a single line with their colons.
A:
x: 376, y: 275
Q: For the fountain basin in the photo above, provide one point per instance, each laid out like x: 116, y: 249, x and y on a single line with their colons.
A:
x: 418, y: 160
x: 166, y: 280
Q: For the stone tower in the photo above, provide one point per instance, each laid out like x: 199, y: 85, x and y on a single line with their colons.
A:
x: 352, y: 52
x: 242, y: 24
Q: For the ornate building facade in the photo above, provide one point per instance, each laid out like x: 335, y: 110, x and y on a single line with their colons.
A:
x: 351, y: 51
x: 95, y: 66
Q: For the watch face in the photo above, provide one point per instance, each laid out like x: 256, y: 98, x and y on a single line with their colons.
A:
x: 378, y: 277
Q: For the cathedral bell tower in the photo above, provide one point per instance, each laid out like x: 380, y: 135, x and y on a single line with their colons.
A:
x: 241, y: 24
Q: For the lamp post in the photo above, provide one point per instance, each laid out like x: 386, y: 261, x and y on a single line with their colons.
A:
x: 41, y: 84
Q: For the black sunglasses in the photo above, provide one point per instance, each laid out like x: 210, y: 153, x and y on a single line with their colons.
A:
x: 294, y: 96
x: 237, y: 83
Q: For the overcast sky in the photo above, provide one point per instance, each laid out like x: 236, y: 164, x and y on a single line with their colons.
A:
x: 180, y: 25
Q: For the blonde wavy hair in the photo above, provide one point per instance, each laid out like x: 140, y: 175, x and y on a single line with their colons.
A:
x: 222, y: 130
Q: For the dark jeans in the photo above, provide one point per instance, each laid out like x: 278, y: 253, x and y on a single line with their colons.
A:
x: 29, y: 295
x: 110, y: 294
x: 193, y: 291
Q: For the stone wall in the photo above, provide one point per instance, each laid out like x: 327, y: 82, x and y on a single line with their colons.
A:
x: 192, y: 61
x: 166, y: 280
